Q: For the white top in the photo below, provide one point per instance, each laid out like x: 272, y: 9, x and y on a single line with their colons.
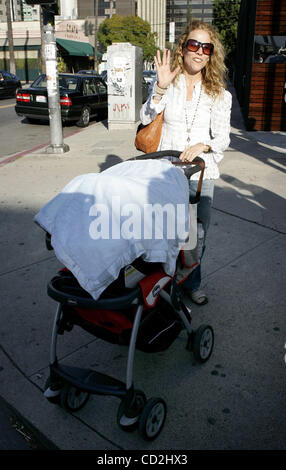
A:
x: 101, y: 222
x: 210, y: 125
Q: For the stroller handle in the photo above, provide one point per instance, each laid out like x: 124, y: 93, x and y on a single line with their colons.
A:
x: 198, y: 164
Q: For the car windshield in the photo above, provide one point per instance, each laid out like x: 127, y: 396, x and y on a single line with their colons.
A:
x: 65, y: 81
x: 40, y: 82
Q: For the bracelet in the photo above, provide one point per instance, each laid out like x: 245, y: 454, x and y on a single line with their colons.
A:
x: 160, y: 91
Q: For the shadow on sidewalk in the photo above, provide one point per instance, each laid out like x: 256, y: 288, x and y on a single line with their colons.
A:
x: 251, y: 202
x: 256, y: 144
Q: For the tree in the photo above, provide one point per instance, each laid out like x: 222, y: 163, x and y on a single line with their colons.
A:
x: 128, y: 29
x: 12, y: 64
x: 225, y: 18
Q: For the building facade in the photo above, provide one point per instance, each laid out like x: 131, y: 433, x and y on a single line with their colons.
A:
x: 86, y: 8
x: 180, y: 11
x: 260, y: 75
x: 155, y: 14
x: 126, y: 7
x: 68, y: 9
x: 20, y: 11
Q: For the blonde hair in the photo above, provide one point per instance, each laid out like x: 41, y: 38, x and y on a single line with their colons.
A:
x: 215, y: 71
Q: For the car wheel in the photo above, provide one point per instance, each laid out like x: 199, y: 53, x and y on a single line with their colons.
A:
x: 84, y: 117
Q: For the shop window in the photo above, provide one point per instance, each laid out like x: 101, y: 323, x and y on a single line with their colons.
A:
x: 269, y: 49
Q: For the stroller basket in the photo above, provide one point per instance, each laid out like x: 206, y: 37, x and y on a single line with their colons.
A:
x: 111, y: 319
x: 66, y: 290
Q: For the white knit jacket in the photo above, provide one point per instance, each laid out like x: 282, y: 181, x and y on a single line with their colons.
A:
x: 211, y: 123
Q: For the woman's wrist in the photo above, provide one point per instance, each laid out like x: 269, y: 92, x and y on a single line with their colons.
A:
x: 159, y: 93
x: 161, y: 88
x: 206, y: 148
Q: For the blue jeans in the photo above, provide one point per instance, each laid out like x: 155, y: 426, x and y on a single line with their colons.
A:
x: 193, y: 282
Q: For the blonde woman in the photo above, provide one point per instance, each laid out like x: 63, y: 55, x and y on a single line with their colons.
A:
x: 191, y: 92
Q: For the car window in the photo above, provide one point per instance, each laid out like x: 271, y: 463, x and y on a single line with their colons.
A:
x: 69, y: 83
x: 40, y: 82
x: 6, y: 75
x: 89, y: 86
x: 101, y: 88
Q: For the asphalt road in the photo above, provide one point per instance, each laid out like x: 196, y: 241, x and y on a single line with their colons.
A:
x: 18, y: 135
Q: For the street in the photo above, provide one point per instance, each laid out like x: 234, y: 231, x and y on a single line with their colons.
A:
x: 18, y: 135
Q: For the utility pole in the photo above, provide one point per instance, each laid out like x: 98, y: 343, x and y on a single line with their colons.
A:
x: 49, y: 10
x: 56, y: 130
x: 43, y: 59
x: 95, y: 34
x: 12, y: 65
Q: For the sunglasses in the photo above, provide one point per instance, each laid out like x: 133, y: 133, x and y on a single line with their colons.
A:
x: 193, y: 46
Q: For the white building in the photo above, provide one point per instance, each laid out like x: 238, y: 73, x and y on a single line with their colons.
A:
x: 155, y: 13
x: 69, y: 10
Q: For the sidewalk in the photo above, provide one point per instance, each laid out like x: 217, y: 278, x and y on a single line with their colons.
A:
x: 235, y: 400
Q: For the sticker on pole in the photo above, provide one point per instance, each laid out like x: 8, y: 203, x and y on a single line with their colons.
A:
x: 50, y: 52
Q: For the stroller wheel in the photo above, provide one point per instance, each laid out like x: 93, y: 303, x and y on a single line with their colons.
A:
x: 152, y: 418
x: 203, y: 343
x: 126, y: 423
x: 52, y: 393
x: 72, y: 398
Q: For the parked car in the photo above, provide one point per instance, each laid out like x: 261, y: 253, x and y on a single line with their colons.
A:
x: 104, y: 75
x: 81, y: 97
x: 149, y: 75
x: 92, y: 72
x: 9, y: 83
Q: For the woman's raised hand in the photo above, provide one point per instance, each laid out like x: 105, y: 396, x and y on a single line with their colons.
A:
x: 165, y: 76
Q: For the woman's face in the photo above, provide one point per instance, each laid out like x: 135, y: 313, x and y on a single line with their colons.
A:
x: 194, y: 62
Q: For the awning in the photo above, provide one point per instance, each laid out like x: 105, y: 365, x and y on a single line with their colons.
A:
x: 77, y: 48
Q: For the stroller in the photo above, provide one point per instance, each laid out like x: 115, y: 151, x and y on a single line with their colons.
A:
x: 148, y: 316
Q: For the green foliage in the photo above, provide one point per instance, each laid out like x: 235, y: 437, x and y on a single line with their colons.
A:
x: 128, y: 29
x: 61, y: 65
x: 225, y: 18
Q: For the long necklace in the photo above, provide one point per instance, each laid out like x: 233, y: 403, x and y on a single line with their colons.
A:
x: 190, y: 124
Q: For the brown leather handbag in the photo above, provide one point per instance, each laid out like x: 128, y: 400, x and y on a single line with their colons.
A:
x: 148, y: 137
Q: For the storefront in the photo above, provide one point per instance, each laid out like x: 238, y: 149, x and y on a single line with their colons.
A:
x: 72, y: 45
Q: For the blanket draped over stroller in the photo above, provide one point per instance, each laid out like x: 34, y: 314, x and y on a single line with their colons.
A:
x: 101, y: 222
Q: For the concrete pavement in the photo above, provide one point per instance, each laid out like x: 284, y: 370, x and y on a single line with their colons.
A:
x: 235, y: 400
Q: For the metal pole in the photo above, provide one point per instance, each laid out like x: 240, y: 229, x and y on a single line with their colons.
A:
x: 43, y: 60
x: 95, y: 34
x: 12, y: 65
x: 56, y: 131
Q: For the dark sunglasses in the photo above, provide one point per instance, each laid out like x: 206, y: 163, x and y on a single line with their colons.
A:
x: 193, y: 46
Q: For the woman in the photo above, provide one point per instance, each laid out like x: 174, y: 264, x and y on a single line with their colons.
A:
x: 196, y: 106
